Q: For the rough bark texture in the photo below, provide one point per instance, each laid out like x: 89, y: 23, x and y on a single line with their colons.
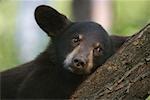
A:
x: 125, y: 76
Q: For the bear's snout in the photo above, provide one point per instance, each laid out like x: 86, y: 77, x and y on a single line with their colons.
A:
x: 79, y: 62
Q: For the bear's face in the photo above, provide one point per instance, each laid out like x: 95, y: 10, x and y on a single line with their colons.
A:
x: 81, y: 46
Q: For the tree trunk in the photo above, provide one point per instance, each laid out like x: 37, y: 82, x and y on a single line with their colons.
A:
x: 124, y: 76
x: 81, y: 10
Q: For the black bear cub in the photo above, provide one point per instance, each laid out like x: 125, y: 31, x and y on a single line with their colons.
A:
x: 76, y: 50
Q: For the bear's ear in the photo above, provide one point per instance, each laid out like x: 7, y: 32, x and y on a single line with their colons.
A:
x: 51, y: 21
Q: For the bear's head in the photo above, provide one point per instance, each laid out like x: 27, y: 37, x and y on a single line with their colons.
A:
x: 80, y: 46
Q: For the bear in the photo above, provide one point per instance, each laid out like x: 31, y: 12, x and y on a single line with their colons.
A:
x: 75, y: 51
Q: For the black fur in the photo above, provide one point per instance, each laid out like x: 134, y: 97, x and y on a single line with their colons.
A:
x: 45, y: 77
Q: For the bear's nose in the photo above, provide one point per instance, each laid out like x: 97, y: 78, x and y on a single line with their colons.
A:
x: 79, y: 63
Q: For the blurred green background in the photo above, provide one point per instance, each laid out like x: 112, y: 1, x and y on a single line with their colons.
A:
x: 8, y: 51
x: 129, y: 16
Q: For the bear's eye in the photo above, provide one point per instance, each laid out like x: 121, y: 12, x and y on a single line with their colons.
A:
x: 98, y: 50
x: 76, y: 39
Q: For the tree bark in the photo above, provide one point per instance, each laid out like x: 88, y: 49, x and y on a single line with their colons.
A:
x: 125, y: 75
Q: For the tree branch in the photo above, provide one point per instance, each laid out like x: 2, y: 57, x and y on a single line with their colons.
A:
x: 126, y: 75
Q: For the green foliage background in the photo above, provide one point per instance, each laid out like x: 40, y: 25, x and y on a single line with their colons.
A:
x: 129, y: 17
x: 8, y: 55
